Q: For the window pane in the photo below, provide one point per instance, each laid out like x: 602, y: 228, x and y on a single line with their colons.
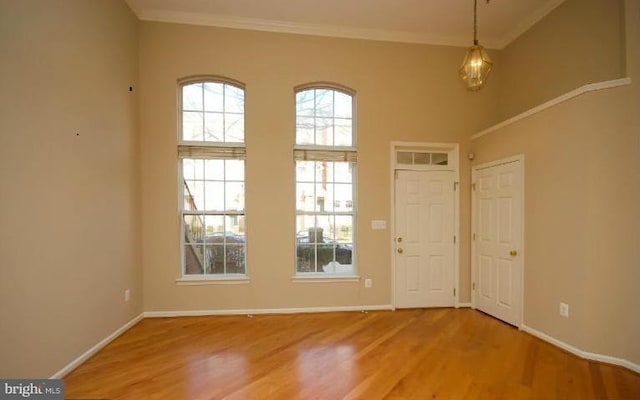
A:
x: 214, y: 196
x: 234, y: 228
x: 234, y: 259
x: 305, y: 103
x: 305, y: 130
x: 324, y: 103
x: 234, y: 196
x: 213, y: 127
x: 194, y: 195
x: 421, y: 158
x: 193, y: 259
x: 439, y: 158
x: 343, y: 105
x: 343, y: 131
x: 214, y: 228
x: 192, y: 97
x: 305, y: 171
x: 214, y: 260
x: 325, y: 224
x: 343, y: 172
x: 234, y: 170
x: 303, y: 224
x: 343, y: 193
x: 233, y: 99
x: 194, y: 230
x: 305, y: 200
x: 213, y: 98
x: 324, y: 132
x: 192, y: 168
x: 305, y: 258
x: 234, y: 128
x: 192, y: 126
x: 404, y: 157
x: 324, y: 194
x: 214, y: 169
x: 344, y: 228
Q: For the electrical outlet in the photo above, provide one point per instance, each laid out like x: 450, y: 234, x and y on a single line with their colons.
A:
x: 564, y: 310
x: 127, y: 295
x: 368, y: 283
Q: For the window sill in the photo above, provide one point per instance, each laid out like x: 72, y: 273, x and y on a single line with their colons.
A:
x: 324, y: 278
x: 217, y: 280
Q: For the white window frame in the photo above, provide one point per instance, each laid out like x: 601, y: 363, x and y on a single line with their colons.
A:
x: 330, y: 154
x: 206, y: 150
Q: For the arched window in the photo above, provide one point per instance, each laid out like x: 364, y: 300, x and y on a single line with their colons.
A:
x: 325, y: 168
x: 211, y: 154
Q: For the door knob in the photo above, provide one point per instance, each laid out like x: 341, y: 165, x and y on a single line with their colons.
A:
x: 513, y: 253
x: 400, y: 251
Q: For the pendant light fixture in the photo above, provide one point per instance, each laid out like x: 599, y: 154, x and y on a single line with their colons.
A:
x: 476, y: 64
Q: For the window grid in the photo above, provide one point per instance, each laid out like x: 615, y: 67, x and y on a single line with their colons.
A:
x: 212, y: 222
x: 325, y: 223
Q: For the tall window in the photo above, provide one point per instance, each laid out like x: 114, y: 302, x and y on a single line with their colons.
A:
x: 211, y: 152
x: 325, y: 163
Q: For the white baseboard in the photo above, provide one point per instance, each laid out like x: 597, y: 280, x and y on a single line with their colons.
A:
x: 581, y: 353
x: 87, y: 354
x: 464, y: 305
x: 256, y: 311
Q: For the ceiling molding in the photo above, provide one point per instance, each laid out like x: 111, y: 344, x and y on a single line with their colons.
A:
x: 268, y: 25
x: 527, y: 23
x: 224, y: 21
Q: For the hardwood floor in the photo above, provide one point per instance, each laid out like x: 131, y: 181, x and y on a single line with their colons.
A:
x: 409, y: 354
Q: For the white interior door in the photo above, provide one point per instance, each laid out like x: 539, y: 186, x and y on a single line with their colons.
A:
x: 424, y: 237
x: 497, y: 237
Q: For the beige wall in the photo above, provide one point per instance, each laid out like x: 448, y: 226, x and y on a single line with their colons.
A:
x: 582, y: 190
x: 69, y: 203
x: 404, y: 93
x: 580, y: 42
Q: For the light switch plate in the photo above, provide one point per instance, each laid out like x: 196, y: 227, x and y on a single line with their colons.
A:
x: 378, y: 224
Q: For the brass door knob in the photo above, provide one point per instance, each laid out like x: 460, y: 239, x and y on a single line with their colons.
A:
x: 513, y: 253
x: 400, y: 251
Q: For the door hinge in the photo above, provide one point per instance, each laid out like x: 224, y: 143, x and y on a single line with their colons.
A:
x: 455, y: 186
x: 454, y: 239
x: 454, y: 292
x: 473, y: 287
x: 473, y: 186
x: 473, y: 236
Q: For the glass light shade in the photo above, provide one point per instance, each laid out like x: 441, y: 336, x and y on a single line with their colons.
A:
x: 476, y: 67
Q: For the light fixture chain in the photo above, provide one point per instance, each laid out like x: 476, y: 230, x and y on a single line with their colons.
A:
x: 475, y: 22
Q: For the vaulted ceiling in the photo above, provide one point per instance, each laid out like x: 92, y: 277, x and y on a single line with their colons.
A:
x: 443, y: 22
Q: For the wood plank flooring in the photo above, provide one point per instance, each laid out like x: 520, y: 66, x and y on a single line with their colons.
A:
x: 409, y: 354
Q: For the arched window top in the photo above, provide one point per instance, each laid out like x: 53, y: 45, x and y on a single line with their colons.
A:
x: 325, y: 115
x: 211, y: 110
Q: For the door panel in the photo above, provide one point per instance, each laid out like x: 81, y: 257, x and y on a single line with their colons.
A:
x: 424, y: 228
x: 498, y: 197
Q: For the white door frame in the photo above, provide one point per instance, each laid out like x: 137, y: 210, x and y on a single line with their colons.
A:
x: 453, y: 149
x: 474, y: 214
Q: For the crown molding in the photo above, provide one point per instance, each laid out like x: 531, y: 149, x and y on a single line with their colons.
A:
x: 267, y: 25
x: 225, y: 21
